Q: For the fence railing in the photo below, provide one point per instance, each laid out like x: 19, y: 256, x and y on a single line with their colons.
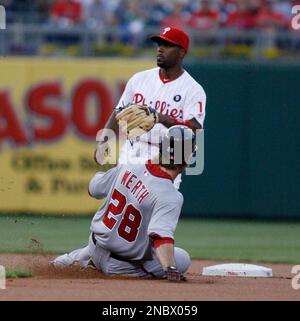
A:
x: 32, y: 39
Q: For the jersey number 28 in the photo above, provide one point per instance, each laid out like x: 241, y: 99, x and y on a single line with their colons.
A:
x: 129, y: 226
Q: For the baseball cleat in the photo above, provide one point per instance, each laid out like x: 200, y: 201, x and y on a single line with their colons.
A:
x: 62, y: 261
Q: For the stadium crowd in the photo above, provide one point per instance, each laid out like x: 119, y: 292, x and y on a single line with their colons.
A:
x: 135, y: 15
x: 128, y: 21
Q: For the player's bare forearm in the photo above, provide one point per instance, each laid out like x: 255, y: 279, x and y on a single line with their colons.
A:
x: 169, y: 122
x: 165, y: 255
x: 103, y: 136
x: 111, y: 124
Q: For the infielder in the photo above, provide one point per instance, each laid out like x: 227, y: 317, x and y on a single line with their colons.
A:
x: 169, y: 93
x: 133, y: 232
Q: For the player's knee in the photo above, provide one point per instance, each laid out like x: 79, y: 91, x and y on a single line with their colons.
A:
x: 182, y: 259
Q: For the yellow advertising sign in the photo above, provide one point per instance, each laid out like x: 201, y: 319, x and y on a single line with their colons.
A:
x: 50, y: 112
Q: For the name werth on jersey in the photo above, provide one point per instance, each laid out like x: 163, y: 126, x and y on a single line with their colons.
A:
x: 161, y: 106
x: 135, y: 186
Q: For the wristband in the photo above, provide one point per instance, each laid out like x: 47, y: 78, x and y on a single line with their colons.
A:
x: 183, y: 123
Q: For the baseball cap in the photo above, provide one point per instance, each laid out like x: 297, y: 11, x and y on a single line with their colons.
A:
x: 174, y: 35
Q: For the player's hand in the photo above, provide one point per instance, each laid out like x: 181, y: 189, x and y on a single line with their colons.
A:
x: 173, y: 275
x: 102, y: 152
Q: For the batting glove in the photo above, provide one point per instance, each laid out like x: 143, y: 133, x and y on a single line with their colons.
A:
x: 173, y: 275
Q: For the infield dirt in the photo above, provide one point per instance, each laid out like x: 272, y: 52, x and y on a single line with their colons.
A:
x: 48, y: 283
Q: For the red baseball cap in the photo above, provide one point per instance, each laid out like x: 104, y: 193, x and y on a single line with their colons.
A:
x: 174, y: 35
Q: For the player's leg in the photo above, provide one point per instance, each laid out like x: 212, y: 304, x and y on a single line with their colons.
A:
x: 182, y: 259
x: 81, y: 256
x: 68, y: 259
x: 148, y: 269
x: 106, y: 264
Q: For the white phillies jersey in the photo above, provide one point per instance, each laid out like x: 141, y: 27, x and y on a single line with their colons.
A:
x: 182, y: 99
x: 141, y: 201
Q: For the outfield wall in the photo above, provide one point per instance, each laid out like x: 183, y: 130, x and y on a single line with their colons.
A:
x: 50, y: 110
x: 252, y: 141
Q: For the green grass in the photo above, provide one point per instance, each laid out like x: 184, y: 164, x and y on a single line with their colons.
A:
x: 14, y: 274
x: 42, y: 234
x: 239, y: 240
x: 235, y: 240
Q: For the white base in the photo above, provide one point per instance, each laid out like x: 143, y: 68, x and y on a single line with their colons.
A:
x: 237, y: 269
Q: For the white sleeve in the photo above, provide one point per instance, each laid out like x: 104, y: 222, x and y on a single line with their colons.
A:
x: 195, y: 107
x: 165, y: 218
x: 102, y: 182
x: 128, y: 94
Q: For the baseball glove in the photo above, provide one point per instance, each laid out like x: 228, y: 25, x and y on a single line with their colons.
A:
x: 136, y: 120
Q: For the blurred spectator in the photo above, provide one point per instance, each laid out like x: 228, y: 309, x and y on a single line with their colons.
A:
x: 136, y: 17
x: 97, y: 14
x: 178, y: 17
x: 245, y: 16
x: 226, y: 7
x: 206, y: 18
x: 131, y: 19
x: 20, y: 11
x: 269, y: 18
x: 43, y: 9
x: 19, y: 6
x: 157, y: 11
x: 284, y: 7
x: 65, y: 13
x: 126, y: 20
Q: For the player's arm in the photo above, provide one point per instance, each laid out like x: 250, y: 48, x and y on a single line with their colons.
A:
x: 103, y: 137
x: 169, y: 122
x: 164, y: 248
x: 194, y: 110
x: 161, y: 231
x: 111, y: 124
x: 111, y: 127
x: 102, y: 182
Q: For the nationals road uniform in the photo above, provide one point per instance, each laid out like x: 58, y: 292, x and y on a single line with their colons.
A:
x: 182, y: 99
x: 134, y: 210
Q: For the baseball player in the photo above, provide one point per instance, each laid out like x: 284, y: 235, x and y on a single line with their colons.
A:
x: 168, y: 91
x: 133, y: 232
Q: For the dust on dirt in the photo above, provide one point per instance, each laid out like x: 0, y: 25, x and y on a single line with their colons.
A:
x: 74, y: 283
